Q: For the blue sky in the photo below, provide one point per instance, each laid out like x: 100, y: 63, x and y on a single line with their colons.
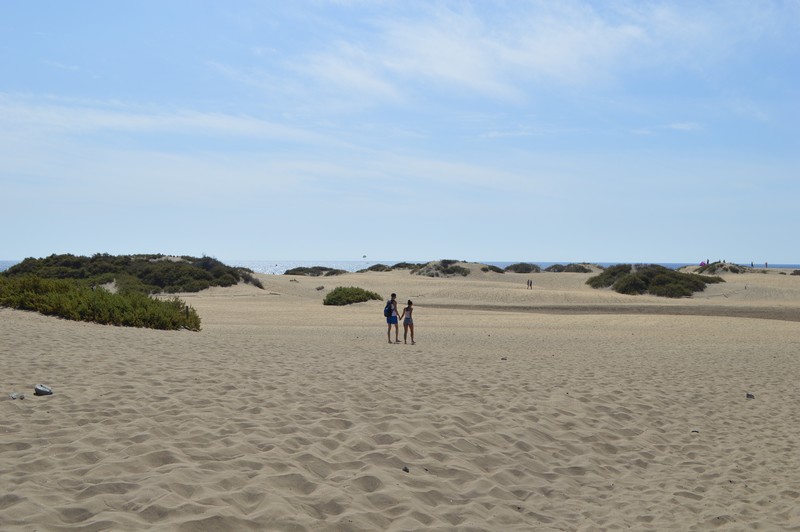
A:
x: 483, y: 130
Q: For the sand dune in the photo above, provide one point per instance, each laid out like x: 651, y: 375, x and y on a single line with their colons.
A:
x: 284, y: 414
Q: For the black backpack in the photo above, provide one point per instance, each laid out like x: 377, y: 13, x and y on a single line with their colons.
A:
x: 387, y: 310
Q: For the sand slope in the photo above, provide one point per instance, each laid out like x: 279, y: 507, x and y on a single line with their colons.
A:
x: 283, y: 414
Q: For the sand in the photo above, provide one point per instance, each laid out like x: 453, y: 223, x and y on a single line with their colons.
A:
x: 557, y: 408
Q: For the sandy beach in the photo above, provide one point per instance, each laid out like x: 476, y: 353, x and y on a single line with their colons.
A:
x: 557, y: 408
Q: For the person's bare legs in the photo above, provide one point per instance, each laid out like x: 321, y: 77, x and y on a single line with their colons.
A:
x: 411, y: 326
x: 405, y: 333
x: 396, y: 333
x: 389, y: 332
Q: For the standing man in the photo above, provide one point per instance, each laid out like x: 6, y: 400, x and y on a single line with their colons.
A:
x: 391, y: 319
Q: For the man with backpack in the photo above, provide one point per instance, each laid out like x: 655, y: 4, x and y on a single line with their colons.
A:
x: 390, y: 311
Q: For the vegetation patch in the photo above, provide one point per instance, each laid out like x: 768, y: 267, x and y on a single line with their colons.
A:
x: 569, y: 268
x: 492, y: 268
x: 347, y: 295
x: 651, y: 279
x: 523, y: 267
x: 147, y: 274
x: 377, y: 268
x: 74, y: 299
x: 442, y: 268
x: 406, y: 266
x: 720, y: 267
x: 314, y: 271
x: 796, y: 272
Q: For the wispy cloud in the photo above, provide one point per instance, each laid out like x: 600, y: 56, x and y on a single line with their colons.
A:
x: 71, y: 117
x: 349, y: 68
x: 509, y: 52
x: 62, y: 66
x: 684, y: 126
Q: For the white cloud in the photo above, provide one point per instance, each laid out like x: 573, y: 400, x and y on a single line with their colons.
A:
x: 26, y: 115
x: 507, y: 51
x: 684, y: 126
x: 351, y: 69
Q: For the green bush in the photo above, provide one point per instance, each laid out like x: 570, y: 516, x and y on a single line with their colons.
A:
x: 440, y: 268
x: 569, y: 268
x: 455, y: 270
x: 76, y: 300
x: 314, y: 271
x: 523, y: 267
x: 630, y: 284
x: 342, y: 295
x: 609, y: 276
x: 146, y: 274
x: 720, y: 267
x: 377, y: 268
x: 796, y: 272
x: 492, y: 268
x: 651, y: 279
x: 406, y: 266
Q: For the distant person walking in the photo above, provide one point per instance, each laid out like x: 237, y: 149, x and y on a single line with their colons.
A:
x: 408, y: 322
x: 391, y: 319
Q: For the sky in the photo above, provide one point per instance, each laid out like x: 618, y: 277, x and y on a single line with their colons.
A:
x: 504, y: 130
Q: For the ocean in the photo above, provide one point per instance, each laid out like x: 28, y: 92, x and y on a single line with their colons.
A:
x: 278, y: 267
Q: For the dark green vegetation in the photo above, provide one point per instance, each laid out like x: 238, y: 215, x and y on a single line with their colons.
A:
x: 75, y: 299
x: 796, y: 272
x: 147, y: 274
x: 377, y: 268
x: 314, y: 271
x: 651, y: 279
x: 71, y: 287
x: 523, y: 267
x: 442, y: 268
x: 569, y: 268
x: 406, y: 266
x: 346, y: 295
x: 386, y: 268
x: 720, y: 267
x: 490, y: 268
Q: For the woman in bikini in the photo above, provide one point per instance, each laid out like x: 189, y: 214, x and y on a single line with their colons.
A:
x: 408, y: 322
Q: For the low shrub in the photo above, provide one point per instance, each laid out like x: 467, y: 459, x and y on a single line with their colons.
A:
x: 346, y: 295
x: 146, y: 274
x: 406, y: 266
x: 523, y: 267
x: 630, y: 284
x: 569, y: 268
x: 492, y: 268
x: 609, y: 276
x: 455, y: 270
x: 720, y: 267
x: 441, y: 268
x: 377, y: 268
x: 651, y: 279
x: 796, y: 272
x: 76, y: 300
x: 314, y: 271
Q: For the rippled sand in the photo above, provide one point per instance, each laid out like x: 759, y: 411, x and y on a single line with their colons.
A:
x: 557, y: 408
